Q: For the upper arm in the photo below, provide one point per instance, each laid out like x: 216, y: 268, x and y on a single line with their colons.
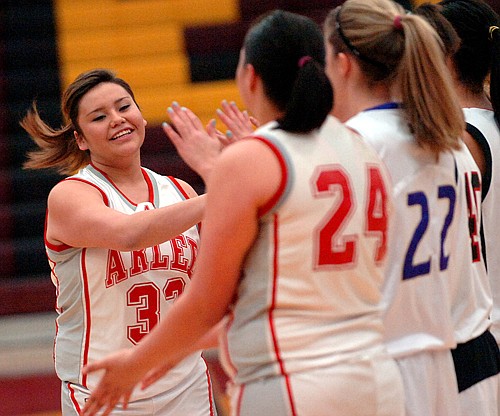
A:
x: 246, y: 176
x: 78, y: 216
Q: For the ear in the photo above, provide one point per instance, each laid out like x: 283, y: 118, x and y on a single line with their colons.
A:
x: 145, y: 122
x: 344, y: 62
x: 251, y: 77
x: 80, y: 141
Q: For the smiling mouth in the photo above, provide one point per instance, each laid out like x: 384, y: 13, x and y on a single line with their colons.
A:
x: 121, y: 134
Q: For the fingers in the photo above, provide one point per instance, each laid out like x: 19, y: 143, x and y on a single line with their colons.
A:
x: 105, y: 402
x: 211, y: 130
x: 184, y: 120
x: 94, y: 366
x: 171, y: 134
x: 254, y: 121
x: 239, y: 122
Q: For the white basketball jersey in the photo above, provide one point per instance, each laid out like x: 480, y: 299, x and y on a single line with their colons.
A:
x: 484, y: 121
x: 310, y: 291
x: 421, y: 266
x: 472, y: 301
x: 108, y: 300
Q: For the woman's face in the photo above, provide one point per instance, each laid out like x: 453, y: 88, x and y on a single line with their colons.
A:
x: 111, y: 124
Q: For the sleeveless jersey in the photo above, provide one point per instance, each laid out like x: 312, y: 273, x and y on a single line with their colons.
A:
x: 484, y: 121
x: 472, y: 301
x: 310, y: 291
x: 421, y: 267
x: 108, y: 300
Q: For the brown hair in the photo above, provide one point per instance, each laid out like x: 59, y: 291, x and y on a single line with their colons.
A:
x: 57, y: 148
x: 403, y: 51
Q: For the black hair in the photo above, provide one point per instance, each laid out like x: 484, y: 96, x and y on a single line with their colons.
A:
x: 476, y: 23
x: 287, y: 52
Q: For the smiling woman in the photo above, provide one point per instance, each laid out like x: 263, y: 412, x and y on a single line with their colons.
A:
x: 121, y: 241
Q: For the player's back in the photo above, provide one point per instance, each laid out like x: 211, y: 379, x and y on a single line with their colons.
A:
x: 421, y: 265
x: 311, y: 288
x: 484, y: 121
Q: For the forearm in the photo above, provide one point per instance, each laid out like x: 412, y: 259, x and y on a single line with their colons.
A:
x: 176, y: 336
x: 149, y: 228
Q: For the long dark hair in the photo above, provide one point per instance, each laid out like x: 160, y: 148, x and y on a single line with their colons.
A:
x: 287, y: 52
x: 477, y: 25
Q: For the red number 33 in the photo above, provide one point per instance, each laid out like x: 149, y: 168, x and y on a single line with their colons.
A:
x: 333, y: 246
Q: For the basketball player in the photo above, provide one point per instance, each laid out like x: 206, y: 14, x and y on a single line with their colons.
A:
x: 121, y: 242
x: 476, y: 60
x: 392, y: 86
x: 293, y: 245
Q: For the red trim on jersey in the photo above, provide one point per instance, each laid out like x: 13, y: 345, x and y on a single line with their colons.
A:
x: 104, y: 196
x: 144, y: 174
x: 179, y: 187
x: 151, y: 192
x: 53, y: 247
x: 58, y: 309
x: 183, y: 192
x: 210, y: 393
x: 73, y: 398
x: 224, y: 345
x: 85, y: 283
x: 284, y: 176
x: 271, y: 318
x: 240, y: 400
x: 62, y: 247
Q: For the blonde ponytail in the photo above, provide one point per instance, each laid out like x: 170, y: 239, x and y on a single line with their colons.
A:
x: 405, y: 53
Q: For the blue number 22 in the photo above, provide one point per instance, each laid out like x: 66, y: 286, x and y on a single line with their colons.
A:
x: 410, y: 269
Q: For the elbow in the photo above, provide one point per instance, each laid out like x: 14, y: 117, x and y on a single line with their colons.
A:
x: 128, y: 241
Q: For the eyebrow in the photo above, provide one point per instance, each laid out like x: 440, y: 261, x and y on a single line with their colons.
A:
x: 102, y: 108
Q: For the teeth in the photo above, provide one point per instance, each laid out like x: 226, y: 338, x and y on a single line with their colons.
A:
x: 122, y: 133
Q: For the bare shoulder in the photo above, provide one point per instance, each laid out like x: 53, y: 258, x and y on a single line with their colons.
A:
x: 251, y: 168
x: 70, y: 192
x: 186, y: 187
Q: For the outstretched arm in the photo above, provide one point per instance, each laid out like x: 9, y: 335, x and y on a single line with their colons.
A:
x: 231, y: 216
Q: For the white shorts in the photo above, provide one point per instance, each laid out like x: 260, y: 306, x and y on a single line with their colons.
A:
x: 430, y: 384
x: 196, y: 400
x: 480, y: 399
x: 369, y: 387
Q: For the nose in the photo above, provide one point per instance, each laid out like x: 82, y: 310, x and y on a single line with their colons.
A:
x: 117, y: 119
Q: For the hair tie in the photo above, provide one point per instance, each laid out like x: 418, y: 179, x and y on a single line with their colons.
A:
x: 304, y: 60
x: 397, y: 23
x: 351, y: 47
x: 492, y: 29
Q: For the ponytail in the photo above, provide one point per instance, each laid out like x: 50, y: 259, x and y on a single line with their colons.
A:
x: 429, y: 100
x: 287, y: 52
x: 403, y: 52
x: 477, y: 25
x: 57, y: 149
x: 310, y: 101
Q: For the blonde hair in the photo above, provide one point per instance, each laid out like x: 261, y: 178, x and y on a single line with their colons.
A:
x: 57, y: 148
x: 404, y: 52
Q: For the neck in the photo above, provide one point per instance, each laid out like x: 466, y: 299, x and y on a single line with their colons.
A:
x: 124, y: 173
x: 468, y: 99
x: 266, y: 111
x: 359, y: 99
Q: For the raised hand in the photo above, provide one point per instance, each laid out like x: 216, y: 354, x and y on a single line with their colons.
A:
x: 198, y: 146
x: 238, y: 122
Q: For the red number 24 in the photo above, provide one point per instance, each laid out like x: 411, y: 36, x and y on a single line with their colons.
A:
x: 333, y: 246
